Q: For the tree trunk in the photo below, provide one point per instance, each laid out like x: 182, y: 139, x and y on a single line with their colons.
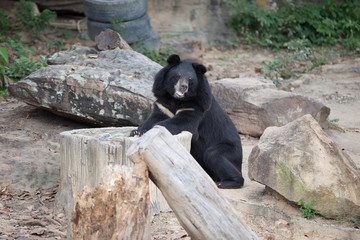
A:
x: 95, y: 171
x: 117, y: 209
x: 189, y: 191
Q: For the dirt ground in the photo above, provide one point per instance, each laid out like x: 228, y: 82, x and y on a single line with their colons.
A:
x: 28, y: 134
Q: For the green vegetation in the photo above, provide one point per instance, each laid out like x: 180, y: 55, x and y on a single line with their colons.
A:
x: 36, y: 24
x: 333, y: 124
x: 322, y: 24
x: 118, y: 25
x: 15, y: 62
x: 157, y: 55
x: 304, y: 28
x: 299, y: 58
x: 4, y: 23
x: 18, y: 47
x: 20, y: 68
x: 307, y: 209
x: 356, y: 220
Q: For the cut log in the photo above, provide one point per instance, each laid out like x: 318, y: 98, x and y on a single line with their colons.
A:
x: 117, y: 209
x: 189, y: 191
x: 86, y: 158
x: 109, y: 39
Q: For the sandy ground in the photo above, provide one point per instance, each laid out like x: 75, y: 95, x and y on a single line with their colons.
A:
x: 29, y: 135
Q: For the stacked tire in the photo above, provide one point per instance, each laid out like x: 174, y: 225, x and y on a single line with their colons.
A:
x: 128, y: 16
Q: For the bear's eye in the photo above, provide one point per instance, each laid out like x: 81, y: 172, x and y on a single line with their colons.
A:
x: 190, y: 81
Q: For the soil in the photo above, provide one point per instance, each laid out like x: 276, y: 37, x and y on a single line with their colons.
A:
x: 29, y: 135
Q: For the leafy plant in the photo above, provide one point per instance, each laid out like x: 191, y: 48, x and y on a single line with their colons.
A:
x: 22, y: 67
x: 4, y: 23
x: 307, y: 209
x: 4, y: 58
x: 324, y: 23
x: 4, y: 94
x: 34, y: 23
x: 356, y: 220
x: 18, y: 47
x: 280, y: 68
x: 54, y: 44
x: 333, y: 124
x: 4, y: 62
x: 299, y: 58
x: 118, y: 25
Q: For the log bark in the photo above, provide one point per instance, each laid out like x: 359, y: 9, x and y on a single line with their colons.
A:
x: 87, y: 158
x: 189, y: 191
x: 104, y: 194
x: 117, y: 209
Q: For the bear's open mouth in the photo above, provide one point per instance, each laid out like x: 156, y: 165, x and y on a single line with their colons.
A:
x: 179, y: 93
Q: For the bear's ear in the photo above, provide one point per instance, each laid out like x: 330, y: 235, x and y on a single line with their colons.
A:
x: 173, y: 59
x: 199, y: 68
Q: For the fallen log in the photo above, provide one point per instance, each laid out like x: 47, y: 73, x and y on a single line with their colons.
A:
x: 189, y: 191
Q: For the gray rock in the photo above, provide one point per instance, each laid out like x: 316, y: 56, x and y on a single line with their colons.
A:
x: 113, y: 88
x: 107, y: 88
x: 254, y: 104
x: 299, y: 161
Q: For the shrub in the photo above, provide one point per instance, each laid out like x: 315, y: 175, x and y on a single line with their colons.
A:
x: 22, y: 67
x: 323, y: 24
x: 18, y: 47
x: 34, y: 23
x: 4, y: 23
x: 307, y: 209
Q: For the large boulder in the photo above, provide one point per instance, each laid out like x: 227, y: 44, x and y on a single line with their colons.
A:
x: 300, y: 162
x: 111, y: 88
x: 254, y: 103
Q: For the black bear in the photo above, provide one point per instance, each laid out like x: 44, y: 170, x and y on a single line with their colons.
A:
x: 184, y: 102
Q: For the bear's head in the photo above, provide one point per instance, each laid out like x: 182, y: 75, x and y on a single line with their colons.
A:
x: 181, y: 80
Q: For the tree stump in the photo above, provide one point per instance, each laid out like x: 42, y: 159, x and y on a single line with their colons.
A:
x: 109, y: 39
x: 101, y: 190
x: 190, y: 192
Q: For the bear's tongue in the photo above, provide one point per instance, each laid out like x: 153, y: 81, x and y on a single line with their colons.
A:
x: 178, y: 92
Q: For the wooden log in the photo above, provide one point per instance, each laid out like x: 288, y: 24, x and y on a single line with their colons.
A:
x: 109, y: 39
x: 190, y: 192
x: 117, y: 209
x: 87, y: 158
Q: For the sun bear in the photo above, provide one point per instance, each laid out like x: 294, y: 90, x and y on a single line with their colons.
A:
x: 184, y: 102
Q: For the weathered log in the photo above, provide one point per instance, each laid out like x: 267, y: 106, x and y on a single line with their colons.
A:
x: 109, y: 39
x: 86, y: 158
x: 117, y: 209
x: 190, y: 192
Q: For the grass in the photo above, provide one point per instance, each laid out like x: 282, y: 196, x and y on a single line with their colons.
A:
x: 333, y: 124
x: 300, y: 57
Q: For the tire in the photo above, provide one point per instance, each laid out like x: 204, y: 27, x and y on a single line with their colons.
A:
x: 131, y: 31
x: 108, y: 11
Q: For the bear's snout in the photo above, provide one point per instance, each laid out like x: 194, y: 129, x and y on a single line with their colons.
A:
x: 181, y: 87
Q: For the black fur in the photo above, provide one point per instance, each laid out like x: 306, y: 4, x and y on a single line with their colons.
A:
x: 185, y: 103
